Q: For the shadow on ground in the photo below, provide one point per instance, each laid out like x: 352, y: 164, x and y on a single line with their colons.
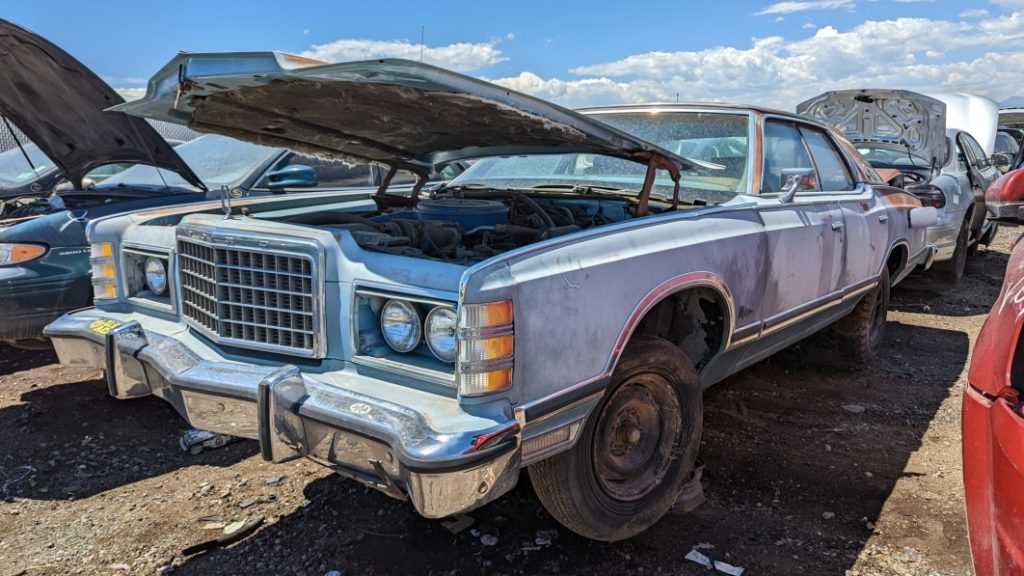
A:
x: 79, y: 441
x: 16, y: 359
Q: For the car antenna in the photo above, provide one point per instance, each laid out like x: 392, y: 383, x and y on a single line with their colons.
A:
x: 18, y: 142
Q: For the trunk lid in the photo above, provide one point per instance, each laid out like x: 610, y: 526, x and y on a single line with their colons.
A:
x: 895, y: 117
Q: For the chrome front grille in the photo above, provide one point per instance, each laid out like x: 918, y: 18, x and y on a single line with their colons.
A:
x: 252, y: 296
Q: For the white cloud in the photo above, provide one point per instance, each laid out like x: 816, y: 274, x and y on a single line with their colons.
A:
x: 463, y: 56
x: 804, y: 5
x: 912, y: 53
x: 914, y: 1
x: 974, y: 13
x: 130, y: 94
x: 809, y: 26
x: 1008, y: 3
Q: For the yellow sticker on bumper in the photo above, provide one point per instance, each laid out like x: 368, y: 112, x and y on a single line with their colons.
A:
x: 103, y: 325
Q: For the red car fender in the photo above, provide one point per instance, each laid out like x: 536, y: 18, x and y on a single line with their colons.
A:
x: 1007, y: 188
x: 993, y: 434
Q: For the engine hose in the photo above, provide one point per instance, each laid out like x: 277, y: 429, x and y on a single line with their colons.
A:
x: 540, y: 212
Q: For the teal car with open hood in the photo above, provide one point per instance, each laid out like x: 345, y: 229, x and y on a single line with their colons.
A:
x: 60, y: 106
x: 560, y: 306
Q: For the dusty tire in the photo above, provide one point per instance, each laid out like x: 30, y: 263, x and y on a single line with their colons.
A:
x: 860, y: 333
x: 636, y: 451
x: 952, y: 271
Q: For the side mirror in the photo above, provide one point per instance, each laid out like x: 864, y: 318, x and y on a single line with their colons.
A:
x: 923, y: 217
x: 795, y: 180
x: 1002, y: 161
x: 294, y: 176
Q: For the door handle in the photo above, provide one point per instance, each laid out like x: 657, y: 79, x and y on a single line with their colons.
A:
x: 883, y: 217
x: 837, y: 225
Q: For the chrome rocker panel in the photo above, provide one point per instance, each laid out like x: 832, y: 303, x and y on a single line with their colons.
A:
x: 384, y: 445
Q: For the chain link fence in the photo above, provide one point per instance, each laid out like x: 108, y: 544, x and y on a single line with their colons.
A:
x: 165, y: 129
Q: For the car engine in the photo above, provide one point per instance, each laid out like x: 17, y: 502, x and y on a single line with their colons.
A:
x: 466, y: 230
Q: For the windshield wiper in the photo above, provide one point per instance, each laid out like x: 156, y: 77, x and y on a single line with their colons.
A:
x: 588, y: 189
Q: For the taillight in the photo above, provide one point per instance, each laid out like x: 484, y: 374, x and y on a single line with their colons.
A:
x: 928, y: 194
x: 486, y: 348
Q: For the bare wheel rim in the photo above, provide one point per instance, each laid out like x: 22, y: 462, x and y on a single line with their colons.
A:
x: 636, y: 436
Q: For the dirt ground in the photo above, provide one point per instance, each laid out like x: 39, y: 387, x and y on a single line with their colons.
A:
x: 810, y: 470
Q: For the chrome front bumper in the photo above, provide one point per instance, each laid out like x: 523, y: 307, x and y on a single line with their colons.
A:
x: 387, y: 446
x: 1013, y: 211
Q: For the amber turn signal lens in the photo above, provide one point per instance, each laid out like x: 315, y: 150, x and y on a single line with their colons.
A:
x: 485, y: 382
x: 18, y: 253
x: 490, y: 314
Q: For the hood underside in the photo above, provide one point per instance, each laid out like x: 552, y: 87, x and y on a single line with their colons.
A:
x: 59, y: 104
x: 394, y: 112
x: 1012, y: 117
x: 897, y: 117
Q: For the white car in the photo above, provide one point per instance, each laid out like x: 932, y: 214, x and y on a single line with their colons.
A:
x: 922, y: 144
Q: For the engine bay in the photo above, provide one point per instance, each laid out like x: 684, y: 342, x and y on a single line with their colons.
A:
x: 468, y: 229
x: 27, y: 207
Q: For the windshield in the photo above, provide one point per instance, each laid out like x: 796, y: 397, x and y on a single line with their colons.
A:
x: 718, y: 137
x: 1006, y: 144
x: 216, y: 160
x: 16, y: 171
x: 884, y: 156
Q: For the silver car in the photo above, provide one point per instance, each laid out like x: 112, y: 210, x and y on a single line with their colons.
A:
x: 558, y: 307
x: 921, y: 143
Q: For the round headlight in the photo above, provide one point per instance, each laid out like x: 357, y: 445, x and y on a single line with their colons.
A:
x: 401, y: 325
x: 156, y: 276
x: 440, y: 337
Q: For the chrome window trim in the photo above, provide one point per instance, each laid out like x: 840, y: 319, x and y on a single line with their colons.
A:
x: 268, y: 244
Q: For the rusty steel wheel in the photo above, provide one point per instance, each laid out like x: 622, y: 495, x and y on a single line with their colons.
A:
x: 636, y: 451
x: 636, y: 433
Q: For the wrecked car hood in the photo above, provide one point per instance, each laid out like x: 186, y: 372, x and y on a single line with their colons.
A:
x: 59, y: 104
x: 898, y: 117
x: 1011, y: 117
x: 396, y: 112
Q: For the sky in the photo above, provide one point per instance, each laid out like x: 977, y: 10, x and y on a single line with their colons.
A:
x: 579, y: 53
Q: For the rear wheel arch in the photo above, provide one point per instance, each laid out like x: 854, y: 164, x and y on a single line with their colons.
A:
x: 897, y: 259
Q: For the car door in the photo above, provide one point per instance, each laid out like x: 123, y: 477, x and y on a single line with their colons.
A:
x: 805, y: 235
x: 864, y: 219
x: 980, y: 173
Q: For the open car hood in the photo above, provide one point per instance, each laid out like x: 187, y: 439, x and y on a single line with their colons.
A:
x: 1011, y: 117
x: 897, y: 117
x: 395, y: 112
x: 59, y: 104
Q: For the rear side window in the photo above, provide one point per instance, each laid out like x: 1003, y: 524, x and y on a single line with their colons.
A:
x: 974, y: 149
x: 832, y: 172
x: 1006, y: 144
x: 783, y: 148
